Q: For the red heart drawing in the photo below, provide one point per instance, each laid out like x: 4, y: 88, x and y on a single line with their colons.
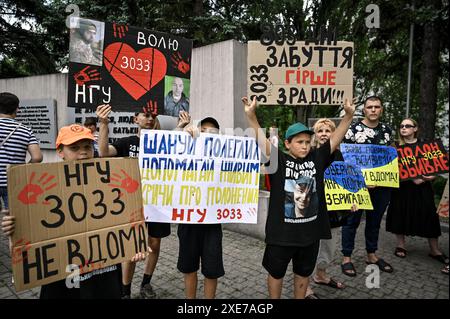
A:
x: 136, y: 72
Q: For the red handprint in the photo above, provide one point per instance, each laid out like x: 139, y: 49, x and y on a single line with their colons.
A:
x: 151, y: 108
x: 16, y: 257
x: 119, y: 30
x: 85, y: 76
x: 136, y: 216
x: 126, y: 182
x: 30, y: 192
x: 179, y: 63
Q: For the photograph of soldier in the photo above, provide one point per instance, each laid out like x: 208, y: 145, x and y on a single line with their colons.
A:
x: 86, y: 41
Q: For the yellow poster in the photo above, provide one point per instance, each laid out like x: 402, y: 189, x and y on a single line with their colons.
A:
x: 345, y: 186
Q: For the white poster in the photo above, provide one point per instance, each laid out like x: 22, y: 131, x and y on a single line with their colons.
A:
x: 204, y: 180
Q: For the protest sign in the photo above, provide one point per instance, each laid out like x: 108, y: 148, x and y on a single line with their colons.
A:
x: 40, y: 117
x: 416, y: 160
x: 300, y: 74
x: 127, y: 67
x: 209, y: 179
x: 379, y: 164
x: 85, y: 213
x: 345, y: 186
x: 121, y: 124
x: 443, y: 204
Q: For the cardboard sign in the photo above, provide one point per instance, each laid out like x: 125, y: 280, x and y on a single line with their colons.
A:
x: 40, y: 117
x: 379, y: 164
x: 128, y: 67
x: 83, y: 213
x: 420, y: 159
x: 345, y: 186
x: 443, y: 204
x: 205, y: 180
x: 300, y: 74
